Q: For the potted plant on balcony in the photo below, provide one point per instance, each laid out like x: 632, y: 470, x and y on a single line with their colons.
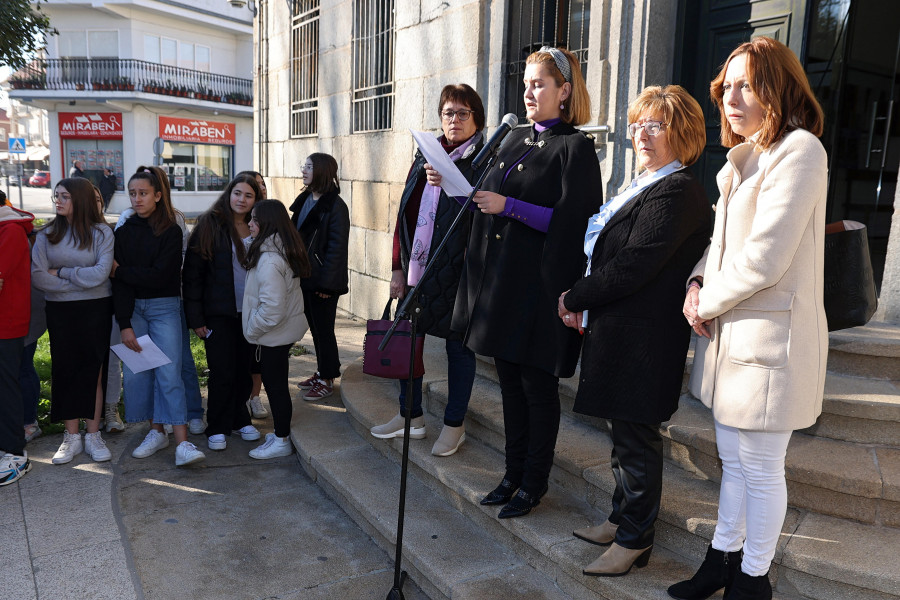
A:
x: 125, y: 85
x: 17, y: 83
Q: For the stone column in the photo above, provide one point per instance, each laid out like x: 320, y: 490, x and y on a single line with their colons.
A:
x: 889, y: 300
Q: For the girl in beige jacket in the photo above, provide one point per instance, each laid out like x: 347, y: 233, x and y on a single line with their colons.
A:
x: 272, y: 313
x: 756, y: 299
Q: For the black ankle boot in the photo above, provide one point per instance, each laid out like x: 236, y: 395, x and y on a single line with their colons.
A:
x: 717, y: 571
x: 501, y: 494
x: 748, y: 587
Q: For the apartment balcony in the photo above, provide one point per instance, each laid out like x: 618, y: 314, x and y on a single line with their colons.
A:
x: 125, y: 79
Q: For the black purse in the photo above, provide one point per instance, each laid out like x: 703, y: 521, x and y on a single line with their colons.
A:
x: 850, y: 297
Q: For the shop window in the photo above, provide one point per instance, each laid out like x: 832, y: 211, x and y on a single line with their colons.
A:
x: 304, y: 67
x: 373, y: 65
x: 96, y: 156
x: 536, y: 23
x: 197, y: 167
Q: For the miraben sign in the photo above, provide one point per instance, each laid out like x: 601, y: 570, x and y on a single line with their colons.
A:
x: 90, y: 125
x: 198, y: 131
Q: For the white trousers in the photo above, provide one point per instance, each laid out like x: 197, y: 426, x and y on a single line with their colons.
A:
x: 753, y: 494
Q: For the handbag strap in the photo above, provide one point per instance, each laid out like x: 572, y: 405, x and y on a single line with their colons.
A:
x: 386, y: 315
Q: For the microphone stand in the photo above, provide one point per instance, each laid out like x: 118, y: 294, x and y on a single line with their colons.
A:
x: 410, y: 309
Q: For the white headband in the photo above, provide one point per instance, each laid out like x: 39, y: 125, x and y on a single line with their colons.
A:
x: 562, y: 63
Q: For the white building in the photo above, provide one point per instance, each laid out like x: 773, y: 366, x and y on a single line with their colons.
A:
x: 141, y: 82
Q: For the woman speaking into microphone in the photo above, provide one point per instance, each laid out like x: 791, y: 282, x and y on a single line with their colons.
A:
x: 524, y: 251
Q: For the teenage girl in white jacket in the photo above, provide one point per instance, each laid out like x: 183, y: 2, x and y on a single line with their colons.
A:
x: 272, y: 314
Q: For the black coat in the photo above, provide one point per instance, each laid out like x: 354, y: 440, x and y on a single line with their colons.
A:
x: 107, y: 187
x: 438, y: 292
x: 207, y: 286
x: 514, y: 274
x: 326, y: 233
x: 637, y: 337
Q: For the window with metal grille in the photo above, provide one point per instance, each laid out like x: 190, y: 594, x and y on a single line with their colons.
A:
x: 536, y: 23
x: 304, y: 67
x: 373, y: 65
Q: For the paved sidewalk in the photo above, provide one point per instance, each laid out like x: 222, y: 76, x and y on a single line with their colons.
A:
x: 230, y: 527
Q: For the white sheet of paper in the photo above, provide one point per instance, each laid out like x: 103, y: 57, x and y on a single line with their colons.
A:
x: 149, y: 357
x: 452, y: 181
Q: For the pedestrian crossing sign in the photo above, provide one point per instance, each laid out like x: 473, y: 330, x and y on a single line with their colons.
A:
x: 16, y: 145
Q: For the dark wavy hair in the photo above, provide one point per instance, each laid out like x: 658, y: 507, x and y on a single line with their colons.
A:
x: 163, y: 216
x: 257, y: 175
x: 272, y: 219
x: 324, y: 177
x: 219, y: 217
x: 85, y: 214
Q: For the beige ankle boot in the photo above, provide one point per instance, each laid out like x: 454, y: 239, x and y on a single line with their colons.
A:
x: 618, y: 561
x: 601, y: 535
x: 449, y: 441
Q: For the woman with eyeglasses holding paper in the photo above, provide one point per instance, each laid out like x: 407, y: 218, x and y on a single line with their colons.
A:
x: 425, y: 215
x: 524, y: 251
x: 641, y: 247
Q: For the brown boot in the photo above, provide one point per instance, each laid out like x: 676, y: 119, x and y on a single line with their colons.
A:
x: 617, y: 561
x: 601, y: 535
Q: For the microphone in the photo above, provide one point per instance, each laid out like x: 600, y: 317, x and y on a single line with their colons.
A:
x: 509, y: 123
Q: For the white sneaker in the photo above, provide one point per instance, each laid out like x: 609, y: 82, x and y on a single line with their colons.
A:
x: 196, y: 426
x: 257, y: 409
x: 273, y: 447
x: 249, y: 433
x: 70, y: 446
x: 216, y: 442
x: 13, y: 467
x: 113, y: 420
x: 187, y: 454
x: 153, y: 442
x: 394, y: 428
x: 95, y: 447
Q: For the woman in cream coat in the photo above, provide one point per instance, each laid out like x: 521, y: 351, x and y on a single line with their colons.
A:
x: 756, y: 299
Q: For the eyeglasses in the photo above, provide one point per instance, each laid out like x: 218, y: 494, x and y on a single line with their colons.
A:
x: 463, y: 115
x: 61, y: 198
x: 651, y: 127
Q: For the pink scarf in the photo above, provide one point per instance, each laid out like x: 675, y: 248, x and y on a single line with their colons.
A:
x: 431, y: 196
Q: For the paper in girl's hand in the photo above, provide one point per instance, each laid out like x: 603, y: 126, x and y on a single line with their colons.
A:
x: 149, y: 358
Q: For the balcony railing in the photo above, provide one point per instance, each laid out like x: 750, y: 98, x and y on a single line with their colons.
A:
x: 130, y: 75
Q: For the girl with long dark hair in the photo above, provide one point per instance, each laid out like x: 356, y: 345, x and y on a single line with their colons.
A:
x: 323, y: 220
x: 213, y: 288
x: 71, y: 261
x: 146, y: 292
x: 273, y: 316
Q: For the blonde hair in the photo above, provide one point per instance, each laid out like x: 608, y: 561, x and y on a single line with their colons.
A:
x: 778, y: 81
x: 685, y: 126
x: 577, y: 107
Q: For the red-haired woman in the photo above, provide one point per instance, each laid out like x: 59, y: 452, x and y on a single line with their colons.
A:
x: 756, y: 301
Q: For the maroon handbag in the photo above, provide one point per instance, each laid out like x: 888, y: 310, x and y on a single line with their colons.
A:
x: 393, y: 361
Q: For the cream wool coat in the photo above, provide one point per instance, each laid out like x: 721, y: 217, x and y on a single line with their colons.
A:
x: 764, y: 366
x: 272, y: 314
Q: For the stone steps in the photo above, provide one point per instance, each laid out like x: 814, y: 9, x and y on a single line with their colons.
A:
x: 872, y: 351
x: 846, y: 559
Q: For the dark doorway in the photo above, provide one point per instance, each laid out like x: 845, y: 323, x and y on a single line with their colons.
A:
x: 850, y: 49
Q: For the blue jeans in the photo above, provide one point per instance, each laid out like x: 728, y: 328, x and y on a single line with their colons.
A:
x: 30, y: 384
x: 460, y: 377
x: 157, y: 394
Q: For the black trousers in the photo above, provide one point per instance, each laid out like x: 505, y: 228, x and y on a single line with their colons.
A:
x: 320, y: 314
x: 273, y: 362
x: 12, y: 412
x: 531, y: 423
x: 637, y: 466
x: 228, y: 358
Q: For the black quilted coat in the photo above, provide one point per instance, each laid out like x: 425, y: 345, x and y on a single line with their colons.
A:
x: 326, y: 233
x: 637, y: 337
x: 438, y: 292
x: 514, y: 274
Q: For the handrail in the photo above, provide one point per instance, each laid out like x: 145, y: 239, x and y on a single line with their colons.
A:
x: 132, y: 75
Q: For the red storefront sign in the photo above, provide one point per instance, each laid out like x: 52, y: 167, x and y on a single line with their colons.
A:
x: 198, y: 131
x: 97, y: 125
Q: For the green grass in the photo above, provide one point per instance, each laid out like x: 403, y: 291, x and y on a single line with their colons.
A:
x: 42, y: 366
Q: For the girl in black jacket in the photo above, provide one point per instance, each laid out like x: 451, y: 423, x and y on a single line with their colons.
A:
x: 322, y: 218
x: 213, y: 289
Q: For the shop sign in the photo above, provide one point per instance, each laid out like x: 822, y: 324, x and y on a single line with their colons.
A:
x: 91, y: 125
x: 196, y: 131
